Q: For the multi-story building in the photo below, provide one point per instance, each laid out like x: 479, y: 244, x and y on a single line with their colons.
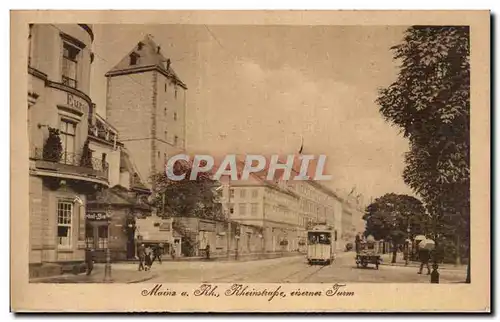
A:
x: 111, y: 211
x: 146, y: 102
x: 62, y: 170
x: 283, y: 210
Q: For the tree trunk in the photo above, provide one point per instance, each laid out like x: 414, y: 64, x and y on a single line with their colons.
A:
x: 394, y: 253
x: 458, y: 261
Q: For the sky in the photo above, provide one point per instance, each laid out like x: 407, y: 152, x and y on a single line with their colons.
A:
x: 264, y: 89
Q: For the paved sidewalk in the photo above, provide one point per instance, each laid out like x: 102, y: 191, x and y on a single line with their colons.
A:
x: 224, y: 258
x: 97, y: 276
x: 387, y: 258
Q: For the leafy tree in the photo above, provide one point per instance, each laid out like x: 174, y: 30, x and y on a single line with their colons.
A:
x: 390, y: 216
x: 52, y: 149
x: 86, y: 160
x: 430, y: 103
x: 187, y: 198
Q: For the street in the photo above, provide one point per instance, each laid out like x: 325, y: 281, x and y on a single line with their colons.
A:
x: 289, y: 270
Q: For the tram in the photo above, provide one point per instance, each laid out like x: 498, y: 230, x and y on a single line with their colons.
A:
x: 320, y: 245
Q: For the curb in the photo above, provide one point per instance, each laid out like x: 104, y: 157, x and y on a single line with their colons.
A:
x: 142, y: 280
x: 418, y: 265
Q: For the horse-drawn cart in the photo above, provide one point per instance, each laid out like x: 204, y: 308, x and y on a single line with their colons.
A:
x: 367, y: 255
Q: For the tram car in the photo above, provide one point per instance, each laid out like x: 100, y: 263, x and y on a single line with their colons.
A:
x: 320, y: 245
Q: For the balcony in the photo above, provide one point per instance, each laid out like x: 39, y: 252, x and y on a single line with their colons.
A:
x: 70, y: 165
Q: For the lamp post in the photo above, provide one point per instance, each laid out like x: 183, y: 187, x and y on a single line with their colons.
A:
x: 435, y: 266
x: 107, y: 267
x: 237, y: 246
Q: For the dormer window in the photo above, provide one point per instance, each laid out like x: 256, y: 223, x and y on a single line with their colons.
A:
x: 134, y: 57
x: 140, y: 45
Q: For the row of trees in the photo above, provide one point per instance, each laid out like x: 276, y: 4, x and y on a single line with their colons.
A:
x: 430, y: 103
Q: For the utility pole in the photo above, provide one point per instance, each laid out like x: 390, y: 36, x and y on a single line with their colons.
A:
x: 228, y: 233
x: 107, y: 267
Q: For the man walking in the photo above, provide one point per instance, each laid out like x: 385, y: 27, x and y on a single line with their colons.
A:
x: 141, y: 253
x: 424, y: 256
x: 157, y: 252
x: 89, y: 260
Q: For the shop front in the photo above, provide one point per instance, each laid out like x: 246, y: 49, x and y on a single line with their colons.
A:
x: 97, y: 232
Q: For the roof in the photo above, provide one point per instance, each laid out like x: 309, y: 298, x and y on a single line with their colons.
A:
x: 117, y: 196
x: 150, y: 58
x: 126, y: 162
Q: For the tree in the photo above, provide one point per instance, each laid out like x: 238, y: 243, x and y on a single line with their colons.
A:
x: 390, y: 216
x: 430, y: 103
x: 52, y: 149
x: 187, y: 198
x: 86, y: 160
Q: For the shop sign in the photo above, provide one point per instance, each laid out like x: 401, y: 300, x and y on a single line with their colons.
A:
x: 76, y: 103
x: 97, y: 216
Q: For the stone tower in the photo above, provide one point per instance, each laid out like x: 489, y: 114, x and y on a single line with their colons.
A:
x: 146, y: 102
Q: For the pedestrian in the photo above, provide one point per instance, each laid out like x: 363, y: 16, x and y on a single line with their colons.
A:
x: 89, y: 260
x: 424, y: 255
x: 157, y: 252
x: 172, y: 253
x: 406, y: 250
x: 148, y: 261
x: 357, y: 242
x: 141, y: 253
x: 207, y: 251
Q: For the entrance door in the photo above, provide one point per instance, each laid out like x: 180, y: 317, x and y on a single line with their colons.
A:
x: 177, y: 246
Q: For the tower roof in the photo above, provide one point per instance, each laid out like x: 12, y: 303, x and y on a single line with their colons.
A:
x: 148, y: 56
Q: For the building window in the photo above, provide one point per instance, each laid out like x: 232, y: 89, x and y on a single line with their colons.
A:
x: 102, y: 233
x: 158, y: 154
x: 165, y: 134
x: 242, y: 209
x: 231, y: 193
x: 176, y: 138
x: 175, y: 116
x: 231, y: 208
x: 242, y: 193
x: 254, y: 209
x: 165, y: 111
x: 89, y: 236
x: 30, y: 40
x: 255, y: 193
x: 165, y: 156
x: 67, y: 135
x: 165, y: 87
x: 70, y: 64
x: 134, y: 57
x: 175, y: 92
x: 64, y: 219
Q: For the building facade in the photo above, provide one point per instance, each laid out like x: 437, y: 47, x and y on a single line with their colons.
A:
x: 146, y: 102
x: 62, y: 172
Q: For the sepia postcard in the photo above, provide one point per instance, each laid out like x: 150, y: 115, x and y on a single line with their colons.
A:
x: 250, y: 161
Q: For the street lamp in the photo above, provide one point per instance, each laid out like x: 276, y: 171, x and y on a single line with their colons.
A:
x: 237, y: 246
x: 107, y: 267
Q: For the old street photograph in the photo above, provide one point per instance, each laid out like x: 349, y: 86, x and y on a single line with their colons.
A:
x: 110, y: 104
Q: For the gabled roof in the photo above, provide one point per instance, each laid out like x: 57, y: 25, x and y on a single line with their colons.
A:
x: 150, y: 57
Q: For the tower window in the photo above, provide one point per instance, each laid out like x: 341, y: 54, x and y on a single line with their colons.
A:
x: 176, y: 138
x: 165, y: 87
x: 134, y: 58
x: 175, y: 116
